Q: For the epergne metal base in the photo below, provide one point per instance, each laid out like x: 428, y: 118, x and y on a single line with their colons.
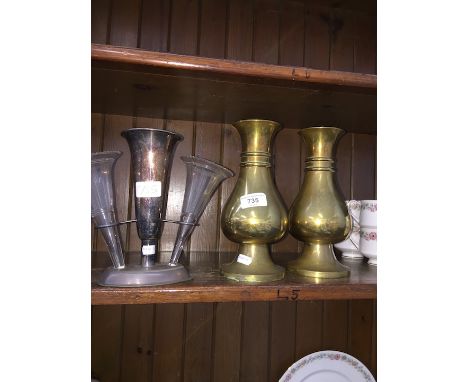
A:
x: 137, y: 276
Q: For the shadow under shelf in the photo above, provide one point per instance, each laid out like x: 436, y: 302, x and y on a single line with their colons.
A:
x: 136, y: 82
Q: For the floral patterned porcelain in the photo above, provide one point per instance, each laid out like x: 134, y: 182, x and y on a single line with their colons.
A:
x: 368, y: 244
x: 327, y: 366
x: 350, y: 247
x: 368, y: 216
x: 354, y: 207
x: 369, y: 235
x: 372, y: 207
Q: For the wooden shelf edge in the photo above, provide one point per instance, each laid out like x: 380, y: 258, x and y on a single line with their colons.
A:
x: 220, y: 67
x: 208, y: 285
x: 130, y: 296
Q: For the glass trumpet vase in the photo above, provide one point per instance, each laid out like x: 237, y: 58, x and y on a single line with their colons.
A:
x: 319, y: 216
x: 255, y: 215
x: 203, y: 179
x: 103, y: 203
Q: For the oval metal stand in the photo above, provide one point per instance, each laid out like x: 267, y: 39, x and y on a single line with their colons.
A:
x: 138, y: 276
x: 133, y: 276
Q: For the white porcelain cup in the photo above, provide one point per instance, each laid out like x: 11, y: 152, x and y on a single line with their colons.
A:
x: 368, y: 216
x: 368, y: 244
x: 350, y: 246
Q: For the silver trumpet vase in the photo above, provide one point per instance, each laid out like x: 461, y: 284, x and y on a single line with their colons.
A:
x: 152, y: 152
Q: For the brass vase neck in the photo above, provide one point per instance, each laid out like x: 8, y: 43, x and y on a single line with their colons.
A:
x: 255, y: 159
x: 257, y: 137
x: 322, y: 164
x: 321, y: 145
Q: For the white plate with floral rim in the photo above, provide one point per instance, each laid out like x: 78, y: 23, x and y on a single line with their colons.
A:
x: 327, y: 366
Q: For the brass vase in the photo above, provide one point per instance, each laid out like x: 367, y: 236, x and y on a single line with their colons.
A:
x: 319, y: 216
x: 255, y: 215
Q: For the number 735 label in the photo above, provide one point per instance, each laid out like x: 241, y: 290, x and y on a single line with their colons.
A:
x: 257, y: 199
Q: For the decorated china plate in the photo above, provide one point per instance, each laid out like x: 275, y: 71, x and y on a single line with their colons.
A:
x: 327, y: 366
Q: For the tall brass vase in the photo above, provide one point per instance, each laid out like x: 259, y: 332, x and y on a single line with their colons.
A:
x: 319, y: 216
x: 255, y: 215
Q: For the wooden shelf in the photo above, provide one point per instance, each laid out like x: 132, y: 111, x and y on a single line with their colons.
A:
x: 209, y: 286
x: 141, y: 60
x: 164, y: 85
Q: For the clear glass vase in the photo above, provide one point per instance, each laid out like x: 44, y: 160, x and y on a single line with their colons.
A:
x: 103, y: 203
x: 203, y: 179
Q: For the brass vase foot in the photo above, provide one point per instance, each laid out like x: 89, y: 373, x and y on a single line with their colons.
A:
x: 253, y: 265
x: 318, y: 261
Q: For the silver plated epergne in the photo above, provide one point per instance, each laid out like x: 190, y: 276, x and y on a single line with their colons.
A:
x: 152, y: 153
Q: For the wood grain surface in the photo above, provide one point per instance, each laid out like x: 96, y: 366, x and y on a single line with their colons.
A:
x: 106, y: 341
x: 251, y: 341
x: 154, y: 25
x: 177, y: 64
x: 169, y: 342
x: 309, y: 324
x: 198, y: 338
x: 254, y: 352
x: 282, y: 339
x: 226, y: 352
x: 137, y: 343
x: 127, y: 92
